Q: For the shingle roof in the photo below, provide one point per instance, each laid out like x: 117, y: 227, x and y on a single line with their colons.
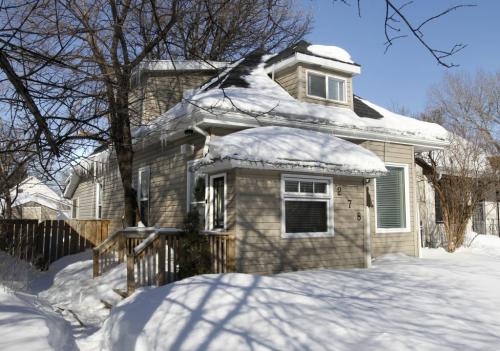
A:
x: 234, y: 77
x: 363, y: 110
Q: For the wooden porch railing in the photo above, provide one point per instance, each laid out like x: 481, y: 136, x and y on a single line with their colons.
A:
x: 152, y: 254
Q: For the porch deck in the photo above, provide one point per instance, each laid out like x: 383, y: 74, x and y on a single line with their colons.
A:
x: 152, y: 254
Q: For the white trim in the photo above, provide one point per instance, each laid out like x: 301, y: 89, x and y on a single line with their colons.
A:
x: 407, y: 227
x: 77, y: 213
x: 324, y: 62
x: 326, y: 75
x: 221, y: 118
x: 223, y: 165
x: 139, y: 188
x: 188, y: 184
x: 328, y: 197
x: 97, y: 198
x: 210, y: 200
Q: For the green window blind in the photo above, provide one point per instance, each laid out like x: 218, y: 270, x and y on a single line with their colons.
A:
x: 391, y: 199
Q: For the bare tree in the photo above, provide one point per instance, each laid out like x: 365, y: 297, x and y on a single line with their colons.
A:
x: 400, y: 22
x: 468, y: 170
x: 469, y: 102
x: 71, y: 63
x: 15, y: 157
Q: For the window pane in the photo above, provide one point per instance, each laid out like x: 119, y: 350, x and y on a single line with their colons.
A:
x: 316, y: 85
x: 437, y: 209
x: 291, y: 186
x: 306, y: 216
x: 306, y: 187
x: 144, y: 211
x: 144, y: 186
x: 320, y: 188
x: 391, y: 199
x: 335, y: 89
x: 218, y: 203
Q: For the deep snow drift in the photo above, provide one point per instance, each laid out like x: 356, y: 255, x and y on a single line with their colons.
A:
x: 441, y: 302
x: 28, y: 324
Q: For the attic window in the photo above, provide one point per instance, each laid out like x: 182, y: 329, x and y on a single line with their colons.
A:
x: 326, y: 87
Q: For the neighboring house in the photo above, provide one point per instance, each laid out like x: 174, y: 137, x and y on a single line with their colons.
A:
x: 35, y: 200
x: 277, y: 150
x: 485, y: 220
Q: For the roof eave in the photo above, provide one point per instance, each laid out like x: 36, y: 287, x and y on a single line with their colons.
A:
x: 298, y: 57
x: 226, y: 164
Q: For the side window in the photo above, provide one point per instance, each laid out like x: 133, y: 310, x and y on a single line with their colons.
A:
x: 143, y: 194
x: 196, y: 193
x: 75, y: 208
x: 218, y: 201
x: 391, y: 191
x: 98, y: 200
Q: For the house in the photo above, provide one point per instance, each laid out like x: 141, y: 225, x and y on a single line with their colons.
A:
x: 276, y: 150
x: 486, y: 216
x: 35, y: 200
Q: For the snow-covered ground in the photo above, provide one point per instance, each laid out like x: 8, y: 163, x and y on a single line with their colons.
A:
x: 440, y: 302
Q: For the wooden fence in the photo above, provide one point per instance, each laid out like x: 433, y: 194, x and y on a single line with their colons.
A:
x: 152, y: 254
x: 42, y: 243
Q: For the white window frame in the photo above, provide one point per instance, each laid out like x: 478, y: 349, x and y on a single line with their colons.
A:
x: 209, y: 207
x: 407, y: 227
x: 326, y: 75
x: 139, y: 186
x: 98, y: 199
x: 77, y: 213
x: 328, y: 197
x: 189, y: 185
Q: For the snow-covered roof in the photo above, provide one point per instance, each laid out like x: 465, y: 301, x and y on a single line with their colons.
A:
x: 34, y: 190
x: 181, y: 65
x: 330, y: 51
x: 291, y: 149
x: 264, y: 100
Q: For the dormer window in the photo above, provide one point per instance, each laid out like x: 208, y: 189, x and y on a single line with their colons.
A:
x: 326, y: 87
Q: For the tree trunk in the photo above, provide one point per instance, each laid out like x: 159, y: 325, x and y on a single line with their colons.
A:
x: 124, y: 152
x: 8, y: 206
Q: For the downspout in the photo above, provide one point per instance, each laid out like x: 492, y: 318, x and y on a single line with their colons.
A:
x: 207, y: 138
x: 367, y: 236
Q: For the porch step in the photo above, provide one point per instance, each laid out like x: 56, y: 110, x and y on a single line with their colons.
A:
x: 122, y: 293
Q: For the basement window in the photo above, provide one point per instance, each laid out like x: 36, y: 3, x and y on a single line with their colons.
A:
x: 326, y: 87
x: 306, y: 206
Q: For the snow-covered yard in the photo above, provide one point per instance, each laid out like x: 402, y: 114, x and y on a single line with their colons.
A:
x: 440, y: 302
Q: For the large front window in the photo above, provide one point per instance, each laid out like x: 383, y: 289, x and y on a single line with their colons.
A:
x: 392, y: 201
x: 307, y: 204
x: 326, y: 87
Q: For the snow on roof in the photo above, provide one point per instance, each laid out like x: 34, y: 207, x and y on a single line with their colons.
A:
x: 263, y: 96
x: 284, y: 147
x: 33, y: 189
x: 181, y: 65
x: 330, y: 51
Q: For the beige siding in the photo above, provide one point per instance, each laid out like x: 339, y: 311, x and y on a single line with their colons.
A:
x: 260, y: 247
x: 405, y: 242
x: 288, y: 80
x: 157, y: 92
x: 85, y: 192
